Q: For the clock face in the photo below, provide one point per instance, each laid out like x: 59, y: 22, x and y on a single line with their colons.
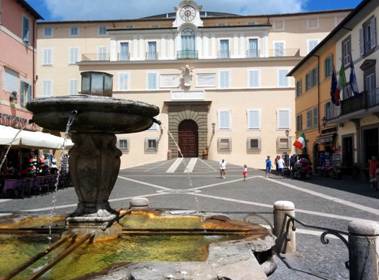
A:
x: 188, y: 13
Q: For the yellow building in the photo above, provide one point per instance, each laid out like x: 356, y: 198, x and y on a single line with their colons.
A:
x: 219, y: 79
x: 313, y: 101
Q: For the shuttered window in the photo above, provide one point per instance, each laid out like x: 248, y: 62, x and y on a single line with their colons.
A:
x: 253, y: 119
x: 224, y: 119
x: 73, y: 56
x: 73, y: 87
x: 368, y: 36
x: 254, y: 78
x: 283, y: 119
x: 47, y: 57
x: 152, y: 81
x: 224, y: 79
x: 123, y: 79
x: 47, y: 88
x: 282, y: 78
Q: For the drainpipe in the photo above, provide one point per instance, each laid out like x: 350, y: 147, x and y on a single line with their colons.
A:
x: 34, y: 58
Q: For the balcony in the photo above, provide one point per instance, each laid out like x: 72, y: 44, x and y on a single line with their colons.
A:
x: 151, y: 56
x: 187, y: 54
x: 252, y: 53
x: 359, y: 102
x: 95, y: 57
x: 223, y: 54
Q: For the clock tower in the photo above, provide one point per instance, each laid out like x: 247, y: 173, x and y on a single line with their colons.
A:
x: 188, y: 12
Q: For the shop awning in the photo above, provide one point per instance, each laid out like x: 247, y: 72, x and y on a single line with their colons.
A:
x: 31, y: 139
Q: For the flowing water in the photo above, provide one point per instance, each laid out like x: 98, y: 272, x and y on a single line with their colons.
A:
x: 70, y: 121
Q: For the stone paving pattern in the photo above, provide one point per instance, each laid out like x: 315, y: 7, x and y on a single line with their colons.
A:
x: 204, y: 190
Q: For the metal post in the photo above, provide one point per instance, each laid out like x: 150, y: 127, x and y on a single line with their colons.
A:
x: 364, y: 250
x: 281, y: 225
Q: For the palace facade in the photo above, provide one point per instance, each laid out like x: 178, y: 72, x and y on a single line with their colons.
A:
x: 219, y: 79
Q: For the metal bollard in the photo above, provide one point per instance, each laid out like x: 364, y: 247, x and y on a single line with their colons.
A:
x: 281, y: 208
x: 364, y: 250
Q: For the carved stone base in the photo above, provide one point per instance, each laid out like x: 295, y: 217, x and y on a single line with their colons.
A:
x: 94, y: 165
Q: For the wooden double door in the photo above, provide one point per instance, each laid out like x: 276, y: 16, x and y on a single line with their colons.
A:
x: 189, y: 138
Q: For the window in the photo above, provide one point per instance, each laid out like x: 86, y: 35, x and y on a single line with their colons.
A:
x: 253, y: 48
x: 253, y: 144
x: 151, y: 145
x: 123, y: 81
x: 11, y: 80
x: 47, y: 57
x: 102, y: 30
x: 299, y: 122
x: 313, y: 23
x: 315, y: 117
x: 224, y: 49
x: 102, y: 53
x: 279, y: 25
x: 328, y: 66
x: 309, y: 119
x: 73, y: 87
x: 224, y: 79
x: 312, y: 44
x: 74, y: 31
x: 282, y: 78
x: 25, y: 30
x: 25, y: 93
x: 282, y: 143
x: 206, y: 80
x: 331, y: 111
x: 283, y: 119
x: 368, y: 37
x: 311, y: 79
x: 152, y: 82
x: 48, y: 32
x: 278, y: 48
x: 123, y: 145
x: 299, y: 88
x: 254, y: 79
x: 74, y: 56
x: 369, y: 78
x: 169, y: 80
x: 188, y: 40
x: 224, y: 121
x: 254, y: 119
x: 124, y: 51
x: 152, y: 50
x: 346, y: 51
x: 224, y: 145
x: 47, y: 88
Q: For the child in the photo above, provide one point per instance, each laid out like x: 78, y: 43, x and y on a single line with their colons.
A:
x: 244, y: 172
x: 268, y: 166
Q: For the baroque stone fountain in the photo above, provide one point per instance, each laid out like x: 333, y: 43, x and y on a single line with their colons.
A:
x: 139, y: 243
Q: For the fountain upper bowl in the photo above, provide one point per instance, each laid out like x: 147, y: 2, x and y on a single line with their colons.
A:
x: 95, y: 114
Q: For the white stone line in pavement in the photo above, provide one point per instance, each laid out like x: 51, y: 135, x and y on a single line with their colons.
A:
x: 314, y: 213
x: 222, y: 183
x: 157, y: 166
x: 74, y: 205
x: 327, y: 197
x: 191, y: 165
x: 207, y: 164
x: 144, y: 183
x: 5, y: 214
x: 174, y: 166
x: 4, y: 200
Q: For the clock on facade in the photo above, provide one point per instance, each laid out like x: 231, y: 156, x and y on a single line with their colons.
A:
x: 188, y: 13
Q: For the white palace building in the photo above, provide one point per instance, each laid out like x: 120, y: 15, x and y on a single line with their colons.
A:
x: 219, y: 79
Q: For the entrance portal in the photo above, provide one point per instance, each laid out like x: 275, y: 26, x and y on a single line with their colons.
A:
x: 188, y: 138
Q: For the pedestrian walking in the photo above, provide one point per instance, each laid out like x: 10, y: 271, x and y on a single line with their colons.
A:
x: 244, y: 172
x: 276, y: 163
x: 268, y: 166
x: 372, y: 169
x: 222, y: 169
x: 280, y: 165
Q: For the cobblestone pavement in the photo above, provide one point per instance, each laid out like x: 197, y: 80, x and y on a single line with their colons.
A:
x: 320, y: 201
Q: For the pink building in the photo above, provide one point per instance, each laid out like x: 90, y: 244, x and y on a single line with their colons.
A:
x: 17, y: 61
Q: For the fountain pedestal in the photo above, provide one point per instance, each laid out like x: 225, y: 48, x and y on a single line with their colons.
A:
x: 94, y: 165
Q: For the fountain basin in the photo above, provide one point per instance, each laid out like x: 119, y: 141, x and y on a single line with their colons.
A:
x: 138, y: 251
x: 96, y: 114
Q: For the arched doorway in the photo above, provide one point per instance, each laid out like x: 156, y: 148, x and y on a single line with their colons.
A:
x: 189, y: 138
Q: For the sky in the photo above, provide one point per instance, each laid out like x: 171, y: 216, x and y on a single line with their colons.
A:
x: 126, y: 9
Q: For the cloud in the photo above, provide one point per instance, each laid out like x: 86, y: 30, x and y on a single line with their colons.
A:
x: 123, y: 9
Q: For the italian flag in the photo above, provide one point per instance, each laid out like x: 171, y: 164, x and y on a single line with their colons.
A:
x: 300, y: 142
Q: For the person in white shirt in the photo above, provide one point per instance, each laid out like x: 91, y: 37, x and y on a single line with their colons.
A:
x: 222, y: 168
x: 280, y: 165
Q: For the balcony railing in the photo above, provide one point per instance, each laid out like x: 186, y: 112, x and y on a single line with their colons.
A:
x: 223, y: 54
x: 151, y: 56
x: 284, y: 52
x: 187, y: 54
x: 96, y: 57
x: 251, y: 53
x: 362, y: 101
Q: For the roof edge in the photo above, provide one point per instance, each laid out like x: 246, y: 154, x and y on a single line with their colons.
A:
x: 30, y: 9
